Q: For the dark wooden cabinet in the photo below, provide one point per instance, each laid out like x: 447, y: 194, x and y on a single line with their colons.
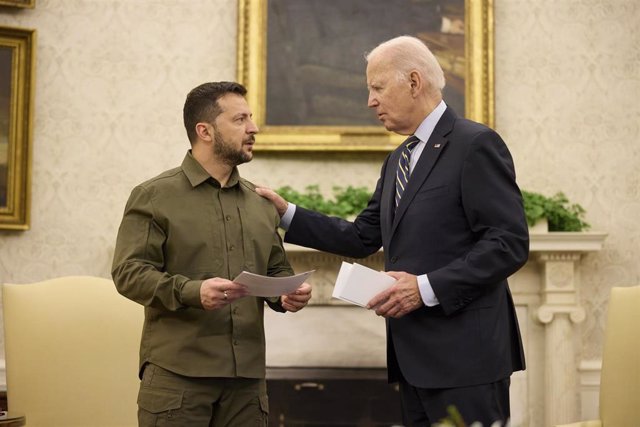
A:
x: 332, y: 397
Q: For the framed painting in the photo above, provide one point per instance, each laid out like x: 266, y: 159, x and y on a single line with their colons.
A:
x: 18, y: 3
x: 303, y: 64
x: 16, y: 101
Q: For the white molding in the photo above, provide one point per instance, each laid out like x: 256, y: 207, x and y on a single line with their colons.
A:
x: 582, y: 241
x: 557, y: 241
x: 590, y: 371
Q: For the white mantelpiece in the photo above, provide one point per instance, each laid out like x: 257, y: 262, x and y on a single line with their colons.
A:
x: 331, y: 333
x: 559, y: 256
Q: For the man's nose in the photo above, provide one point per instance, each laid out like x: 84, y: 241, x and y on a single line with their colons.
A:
x: 372, y: 101
x: 252, y: 128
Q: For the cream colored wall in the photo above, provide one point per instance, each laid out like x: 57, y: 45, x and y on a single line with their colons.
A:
x: 568, y: 104
x: 111, y: 78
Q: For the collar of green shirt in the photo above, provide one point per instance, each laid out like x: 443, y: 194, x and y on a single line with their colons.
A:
x: 197, y: 175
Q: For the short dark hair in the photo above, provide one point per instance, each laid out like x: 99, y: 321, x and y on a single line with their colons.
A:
x: 202, y: 105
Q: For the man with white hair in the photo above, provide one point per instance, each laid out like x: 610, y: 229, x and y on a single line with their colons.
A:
x: 449, y: 215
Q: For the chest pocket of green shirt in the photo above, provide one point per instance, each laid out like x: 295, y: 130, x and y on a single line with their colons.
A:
x: 258, y: 237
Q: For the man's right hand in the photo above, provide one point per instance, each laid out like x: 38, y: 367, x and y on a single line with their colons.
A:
x: 216, y: 293
x: 280, y: 203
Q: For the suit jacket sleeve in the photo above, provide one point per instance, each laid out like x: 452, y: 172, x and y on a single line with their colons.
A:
x: 492, y: 204
x: 357, y: 239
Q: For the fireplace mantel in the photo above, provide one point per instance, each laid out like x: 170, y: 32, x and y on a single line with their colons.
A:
x: 564, y: 241
x: 331, y: 333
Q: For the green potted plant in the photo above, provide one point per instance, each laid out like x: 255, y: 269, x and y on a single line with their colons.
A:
x: 347, y: 202
x: 556, y: 210
x: 552, y: 213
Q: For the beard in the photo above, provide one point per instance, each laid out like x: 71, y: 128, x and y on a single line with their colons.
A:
x: 229, y: 154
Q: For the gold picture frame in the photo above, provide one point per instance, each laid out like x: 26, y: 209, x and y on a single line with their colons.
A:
x: 17, y: 49
x: 477, y: 46
x: 19, y: 3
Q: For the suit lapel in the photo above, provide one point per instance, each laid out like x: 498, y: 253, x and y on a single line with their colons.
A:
x: 432, y: 151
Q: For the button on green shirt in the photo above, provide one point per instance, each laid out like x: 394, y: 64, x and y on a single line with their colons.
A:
x: 178, y: 229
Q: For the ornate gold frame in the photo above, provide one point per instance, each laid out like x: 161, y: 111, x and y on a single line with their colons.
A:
x: 19, y: 3
x: 251, y: 72
x: 15, y: 215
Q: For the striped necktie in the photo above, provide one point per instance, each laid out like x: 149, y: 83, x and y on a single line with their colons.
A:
x: 402, y: 176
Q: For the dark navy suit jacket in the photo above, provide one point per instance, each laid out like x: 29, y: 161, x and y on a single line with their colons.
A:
x: 461, y: 221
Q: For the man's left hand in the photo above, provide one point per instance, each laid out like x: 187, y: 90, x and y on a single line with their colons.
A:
x: 402, y: 298
x: 297, y: 300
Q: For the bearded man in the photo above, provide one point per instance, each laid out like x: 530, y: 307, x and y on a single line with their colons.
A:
x: 184, y: 235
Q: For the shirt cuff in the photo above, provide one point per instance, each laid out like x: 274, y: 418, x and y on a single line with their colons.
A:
x: 285, y: 221
x: 190, y: 294
x: 426, y: 291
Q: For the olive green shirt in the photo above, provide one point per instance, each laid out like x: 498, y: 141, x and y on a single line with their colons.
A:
x: 178, y: 229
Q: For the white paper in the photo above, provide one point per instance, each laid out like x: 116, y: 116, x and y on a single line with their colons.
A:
x: 265, y: 286
x: 357, y: 284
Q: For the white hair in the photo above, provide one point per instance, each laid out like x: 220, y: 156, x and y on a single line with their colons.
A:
x: 407, y: 54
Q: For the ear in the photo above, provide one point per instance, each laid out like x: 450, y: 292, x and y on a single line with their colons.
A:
x: 416, y: 82
x: 204, y: 131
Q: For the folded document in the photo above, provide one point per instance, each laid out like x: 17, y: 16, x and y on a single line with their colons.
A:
x: 357, y: 284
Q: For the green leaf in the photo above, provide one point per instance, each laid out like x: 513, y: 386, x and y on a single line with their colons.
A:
x: 346, y: 202
x: 350, y: 201
x: 561, y: 215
